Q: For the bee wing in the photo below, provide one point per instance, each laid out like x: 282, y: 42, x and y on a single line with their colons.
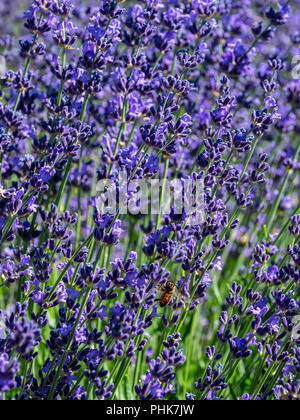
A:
x: 180, y: 295
x: 162, y: 287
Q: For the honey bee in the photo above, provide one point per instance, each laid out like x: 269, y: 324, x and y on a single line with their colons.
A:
x: 168, y: 291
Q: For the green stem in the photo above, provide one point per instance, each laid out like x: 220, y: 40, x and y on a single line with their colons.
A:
x: 85, y: 243
x: 281, y: 192
x: 256, y: 40
x: 69, y: 164
x: 249, y: 157
x: 263, y: 381
x: 162, y: 193
x: 65, y: 355
x: 286, y: 225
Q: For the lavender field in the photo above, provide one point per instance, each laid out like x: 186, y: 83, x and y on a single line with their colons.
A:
x: 149, y: 200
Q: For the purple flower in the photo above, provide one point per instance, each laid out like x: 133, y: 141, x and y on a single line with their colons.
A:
x: 8, y: 371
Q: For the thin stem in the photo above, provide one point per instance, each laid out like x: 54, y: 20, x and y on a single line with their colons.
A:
x: 69, y: 164
x: 162, y: 193
x: 256, y: 40
x: 15, y: 107
x: 249, y: 157
x: 286, y: 225
x: 67, y: 266
x: 64, y: 357
x: 281, y: 192
x: 1, y: 165
x: 64, y: 182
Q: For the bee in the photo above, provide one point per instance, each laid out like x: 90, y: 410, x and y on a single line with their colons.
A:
x: 168, y: 291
